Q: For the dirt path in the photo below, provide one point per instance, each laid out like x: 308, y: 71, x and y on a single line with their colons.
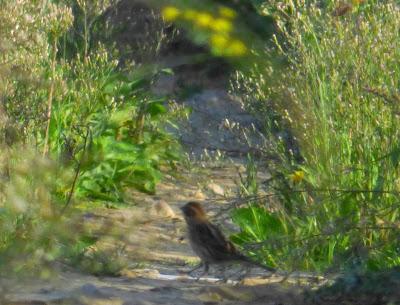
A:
x: 153, y: 233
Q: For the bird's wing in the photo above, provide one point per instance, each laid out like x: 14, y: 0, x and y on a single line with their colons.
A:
x: 214, y: 240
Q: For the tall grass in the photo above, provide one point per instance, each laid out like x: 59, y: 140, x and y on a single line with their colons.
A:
x: 339, y: 98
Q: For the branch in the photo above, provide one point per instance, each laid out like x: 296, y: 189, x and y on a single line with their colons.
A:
x: 78, y: 169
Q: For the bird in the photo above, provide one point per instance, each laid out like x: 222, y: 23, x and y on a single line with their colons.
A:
x: 208, y: 242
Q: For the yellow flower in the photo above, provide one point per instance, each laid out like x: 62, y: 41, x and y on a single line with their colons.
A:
x: 218, y: 43
x: 221, y: 25
x: 297, y: 176
x: 227, y: 12
x: 236, y: 48
x: 204, y: 19
x: 190, y: 14
x: 170, y: 13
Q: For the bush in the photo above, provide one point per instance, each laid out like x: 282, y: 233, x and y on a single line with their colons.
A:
x: 110, y: 129
x: 24, y: 38
x: 97, y: 118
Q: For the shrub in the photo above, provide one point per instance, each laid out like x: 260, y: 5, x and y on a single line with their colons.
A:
x: 25, y: 49
x: 107, y: 126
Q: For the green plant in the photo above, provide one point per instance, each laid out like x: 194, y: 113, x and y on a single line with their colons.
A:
x: 110, y: 130
x: 88, y: 23
x: 36, y: 229
x: 338, y: 203
x: 28, y: 33
x: 98, y: 130
x: 248, y: 185
x: 86, y: 256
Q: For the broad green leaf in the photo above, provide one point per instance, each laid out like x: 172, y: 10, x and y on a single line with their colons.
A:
x: 156, y: 108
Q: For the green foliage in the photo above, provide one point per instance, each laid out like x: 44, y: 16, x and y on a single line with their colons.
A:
x: 97, y: 129
x: 339, y: 201
x: 88, y: 24
x: 99, y: 119
x: 248, y: 185
x: 25, y: 33
x: 113, y: 131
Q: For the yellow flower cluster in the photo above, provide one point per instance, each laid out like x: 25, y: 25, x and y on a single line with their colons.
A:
x: 170, y: 13
x: 218, y: 28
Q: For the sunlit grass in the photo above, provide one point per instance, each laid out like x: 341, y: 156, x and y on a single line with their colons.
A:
x: 339, y: 97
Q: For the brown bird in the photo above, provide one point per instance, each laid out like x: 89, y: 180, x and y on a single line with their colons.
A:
x: 208, y: 242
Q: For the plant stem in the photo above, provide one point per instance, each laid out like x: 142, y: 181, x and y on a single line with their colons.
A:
x: 50, y: 98
x: 78, y: 170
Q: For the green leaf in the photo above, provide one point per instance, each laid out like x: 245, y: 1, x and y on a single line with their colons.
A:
x: 378, y: 187
x: 156, y: 108
x: 257, y: 223
x: 168, y: 71
x: 119, y: 118
x: 90, y: 185
x: 88, y: 240
x: 110, y: 88
x: 137, y: 84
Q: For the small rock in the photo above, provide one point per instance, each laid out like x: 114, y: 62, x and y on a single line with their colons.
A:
x: 180, y: 197
x: 91, y: 290
x: 163, y: 209
x: 89, y: 215
x: 199, y: 195
x: 216, y: 189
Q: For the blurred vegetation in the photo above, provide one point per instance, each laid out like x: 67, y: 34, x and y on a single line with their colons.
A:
x: 230, y: 29
x: 32, y: 234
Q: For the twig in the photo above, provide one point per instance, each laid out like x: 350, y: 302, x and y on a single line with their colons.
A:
x: 283, y: 240
x: 78, y: 169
